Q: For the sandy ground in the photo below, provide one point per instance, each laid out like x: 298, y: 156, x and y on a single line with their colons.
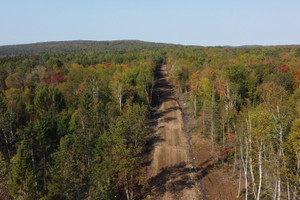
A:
x: 170, y: 173
x: 219, y: 183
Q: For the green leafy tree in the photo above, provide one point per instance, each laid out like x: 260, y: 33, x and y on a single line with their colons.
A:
x: 39, y: 139
x: 24, y: 180
x: 70, y: 173
x: 120, y: 85
x: 145, y: 82
x: 3, y: 175
x: 15, y: 80
x: 116, y: 161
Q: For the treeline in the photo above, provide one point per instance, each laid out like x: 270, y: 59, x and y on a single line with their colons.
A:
x: 72, y: 126
x: 79, y: 46
x: 247, y: 100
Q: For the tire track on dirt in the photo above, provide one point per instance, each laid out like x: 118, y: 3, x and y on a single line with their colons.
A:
x: 171, y: 174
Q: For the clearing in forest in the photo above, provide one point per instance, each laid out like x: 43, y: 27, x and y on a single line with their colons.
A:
x: 171, y: 175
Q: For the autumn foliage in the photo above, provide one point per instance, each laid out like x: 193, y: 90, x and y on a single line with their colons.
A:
x: 55, y: 77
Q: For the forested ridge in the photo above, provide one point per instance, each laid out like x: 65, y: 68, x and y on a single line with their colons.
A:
x: 78, y: 46
x: 73, y: 122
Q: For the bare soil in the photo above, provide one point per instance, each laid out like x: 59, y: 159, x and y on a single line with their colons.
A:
x: 170, y: 174
x: 220, y: 180
x: 219, y: 183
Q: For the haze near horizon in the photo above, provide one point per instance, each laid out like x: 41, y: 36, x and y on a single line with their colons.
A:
x: 190, y: 22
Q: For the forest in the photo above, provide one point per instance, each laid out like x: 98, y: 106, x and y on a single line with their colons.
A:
x: 79, y: 46
x: 73, y: 121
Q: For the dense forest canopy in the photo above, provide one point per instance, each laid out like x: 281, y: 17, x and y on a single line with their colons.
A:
x: 247, y: 100
x: 73, y: 115
x: 79, y: 46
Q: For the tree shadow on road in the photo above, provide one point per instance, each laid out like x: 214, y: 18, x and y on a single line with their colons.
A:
x: 173, y: 180
x: 206, y: 166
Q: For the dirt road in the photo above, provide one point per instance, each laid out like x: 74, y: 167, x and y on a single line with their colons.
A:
x: 171, y: 175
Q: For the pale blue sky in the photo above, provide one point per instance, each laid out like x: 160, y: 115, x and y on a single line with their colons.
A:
x: 197, y: 22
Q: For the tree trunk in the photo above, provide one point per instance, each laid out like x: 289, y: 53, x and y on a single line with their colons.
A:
x: 297, y: 178
x: 260, y: 170
x: 212, y: 124
x: 275, y: 190
x: 252, y: 177
x: 120, y: 99
x: 240, y: 183
x: 195, y: 100
x: 235, y: 161
x: 33, y: 164
x: 249, y: 127
x: 127, y: 194
x: 203, y: 123
x: 223, y: 133
x: 11, y: 128
x: 147, y: 97
x: 295, y: 193
x: 44, y: 175
x: 7, y: 145
x: 279, y: 163
x: 252, y: 174
x: 288, y: 189
x: 279, y: 189
x: 195, y: 105
x: 245, y: 163
x: 280, y: 154
x: 131, y: 191
x: 151, y: 89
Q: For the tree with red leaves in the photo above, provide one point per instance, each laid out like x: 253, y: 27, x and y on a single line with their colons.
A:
x: 107, y: 65
x: 284, y: 68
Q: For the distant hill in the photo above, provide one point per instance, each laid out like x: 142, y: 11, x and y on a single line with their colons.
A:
x: 78, y: 46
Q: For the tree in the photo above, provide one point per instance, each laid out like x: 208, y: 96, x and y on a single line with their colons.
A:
x: 13, y: 116
x: 39, y: 138
x: 237, y: 75
x: 117, y: 161
x: 259, y: 127
x: 70, y: 173
x: 48, y: 101
x: 119, y: 85
x: 15, y: 80
x: 3, y: 176
x: 23, y: 180
x: 293, y: 158
x: 194, y: 83
x: 3, y: 75
x: 275, y: 98
x: 145, y: 82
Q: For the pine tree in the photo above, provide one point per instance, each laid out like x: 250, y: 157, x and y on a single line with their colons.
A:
x: 23, y: 179
x: 3, y: 176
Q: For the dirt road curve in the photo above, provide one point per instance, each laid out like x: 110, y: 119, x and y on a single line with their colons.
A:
x: 171, y: 175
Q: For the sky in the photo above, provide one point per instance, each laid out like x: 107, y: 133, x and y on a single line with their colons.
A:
x: 188, y: 22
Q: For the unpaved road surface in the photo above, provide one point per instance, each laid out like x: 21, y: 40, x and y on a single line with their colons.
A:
x: 170, y: 173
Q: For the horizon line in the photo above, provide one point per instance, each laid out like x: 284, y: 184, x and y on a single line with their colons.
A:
x: 137, y: 40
